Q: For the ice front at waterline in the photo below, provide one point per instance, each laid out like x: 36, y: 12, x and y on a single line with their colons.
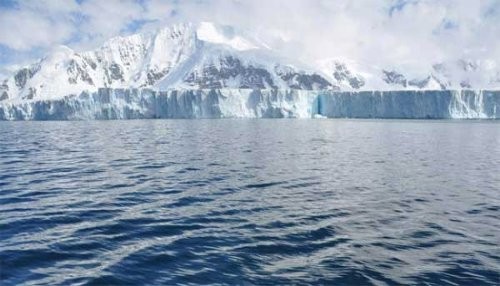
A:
x: 109, y: 103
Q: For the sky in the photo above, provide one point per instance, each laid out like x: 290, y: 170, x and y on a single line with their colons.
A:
x: 385, y: 32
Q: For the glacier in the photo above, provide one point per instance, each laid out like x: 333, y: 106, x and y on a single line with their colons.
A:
x: 136, y: 103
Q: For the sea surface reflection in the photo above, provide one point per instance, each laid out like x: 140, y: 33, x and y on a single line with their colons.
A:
x: 250, y: 202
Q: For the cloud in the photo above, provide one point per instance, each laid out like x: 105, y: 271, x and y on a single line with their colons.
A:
x: 385, y: 32
x: 390, y: 32
x: 35, y: 24
x: 104, y: 19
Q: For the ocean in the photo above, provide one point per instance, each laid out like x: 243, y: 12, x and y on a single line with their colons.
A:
x: 250, y: 202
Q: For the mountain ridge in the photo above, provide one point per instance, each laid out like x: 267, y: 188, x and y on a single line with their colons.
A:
x: 205, y: 55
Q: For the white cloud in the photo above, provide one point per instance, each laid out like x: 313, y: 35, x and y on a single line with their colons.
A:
x: 413, y: 32
x: 36, y: 24
x: 104, y: 19
x: 364, y: 30
x: 158, y: 10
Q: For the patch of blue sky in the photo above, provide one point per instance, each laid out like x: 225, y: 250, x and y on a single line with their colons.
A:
x: 399, y: 5
x: 8, y: 4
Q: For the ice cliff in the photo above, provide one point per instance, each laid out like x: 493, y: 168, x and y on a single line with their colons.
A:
x: 109, y: 103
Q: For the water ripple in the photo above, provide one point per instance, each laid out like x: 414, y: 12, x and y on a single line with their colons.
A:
x: 249, y: 202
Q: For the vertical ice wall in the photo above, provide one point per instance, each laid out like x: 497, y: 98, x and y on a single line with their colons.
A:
x: 245, y: 103
x: 464, y: 104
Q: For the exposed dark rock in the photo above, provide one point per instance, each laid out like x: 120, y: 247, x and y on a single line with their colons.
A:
x: 31, y: 93
x: 212, y: 76
x: 304, y: 81
x: 91, y: 63
x: 465, y: 84
x: 468, y: 65
x: 4, y: 96
x: 76, y: 72
x: 393, y: 77
x: 441, y: 84
x: 4, y: 85
x: 22, y: 76
x: 420, y: 83
x: 154, y: 76
x: 114, y: 72
x: 341, y: 73
x: 356, y: 82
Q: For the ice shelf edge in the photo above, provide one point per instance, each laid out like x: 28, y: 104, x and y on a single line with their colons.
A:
x: 109, y: 103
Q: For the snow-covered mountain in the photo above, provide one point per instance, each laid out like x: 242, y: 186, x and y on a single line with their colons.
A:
x: 206, y: 56
x: 452, y: 75
x: 180, y: 56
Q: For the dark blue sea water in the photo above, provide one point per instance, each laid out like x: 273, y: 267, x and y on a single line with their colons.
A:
x: 335, y: 202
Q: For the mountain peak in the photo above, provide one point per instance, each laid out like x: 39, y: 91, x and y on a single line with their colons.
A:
x: 225, y: 35
x: 184, y: 55
x: 208, y: 55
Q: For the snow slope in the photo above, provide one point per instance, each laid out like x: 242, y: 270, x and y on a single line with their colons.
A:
x: 452, y: 75
x: 205, y: 55
x: 180, y: 56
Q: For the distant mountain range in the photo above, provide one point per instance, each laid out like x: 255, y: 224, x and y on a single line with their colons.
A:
x: 207, y: 56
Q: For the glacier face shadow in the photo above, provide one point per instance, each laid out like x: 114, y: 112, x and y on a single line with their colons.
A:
x: 109, y: 103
